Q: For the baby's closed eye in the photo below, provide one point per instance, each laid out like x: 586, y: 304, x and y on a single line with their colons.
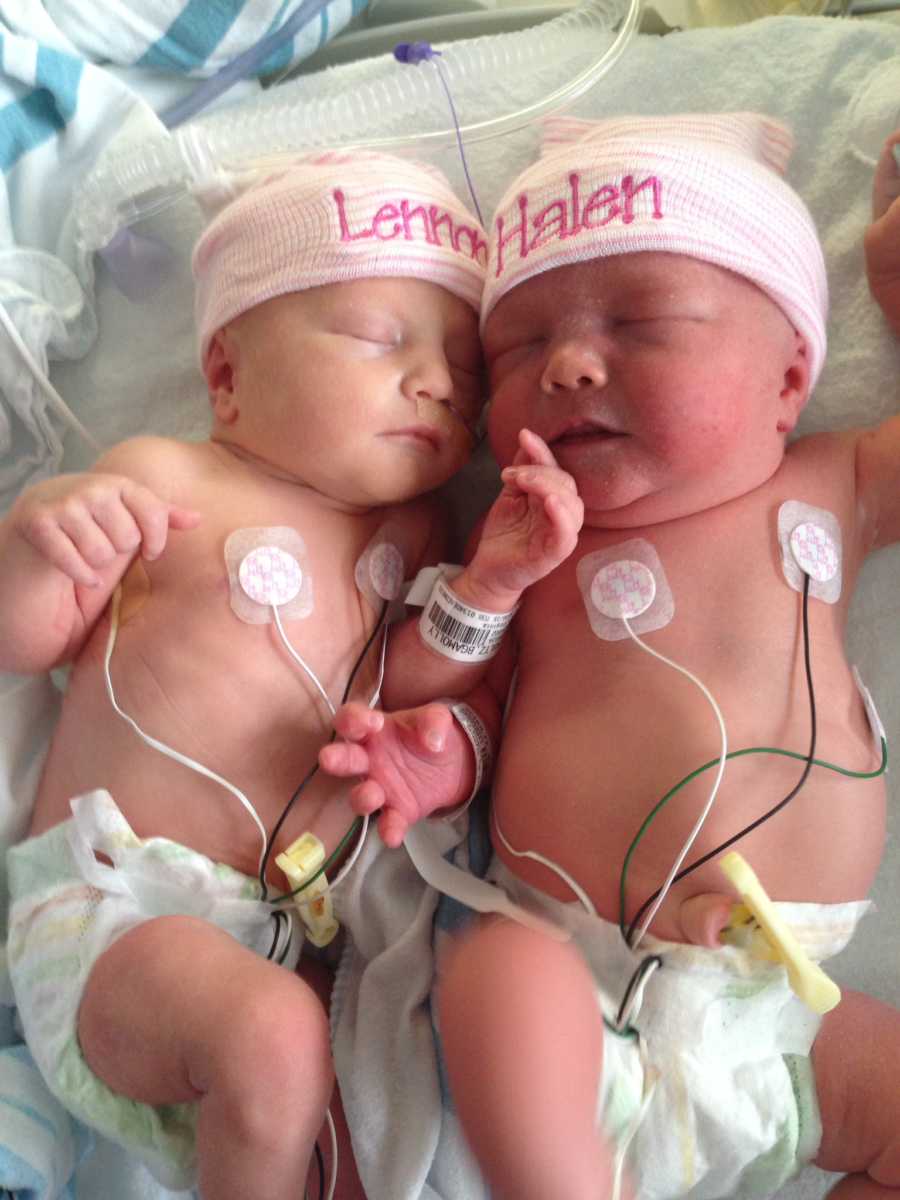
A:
x: 367, y: 329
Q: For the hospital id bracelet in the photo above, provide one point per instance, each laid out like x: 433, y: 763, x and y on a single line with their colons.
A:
x: 459, y: 631
x: 479, y: 737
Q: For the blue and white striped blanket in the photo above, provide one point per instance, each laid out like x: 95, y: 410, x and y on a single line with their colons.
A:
x: 73, y: 74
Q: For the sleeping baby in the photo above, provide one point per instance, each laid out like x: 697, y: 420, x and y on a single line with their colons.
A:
x: 216, y: 599
x: 655, y: 312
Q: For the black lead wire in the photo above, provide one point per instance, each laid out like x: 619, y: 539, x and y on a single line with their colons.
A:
x: 298, y: 791
x: 807, y: 767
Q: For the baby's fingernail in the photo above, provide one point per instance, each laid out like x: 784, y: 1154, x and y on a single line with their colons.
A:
x: 434, y: 740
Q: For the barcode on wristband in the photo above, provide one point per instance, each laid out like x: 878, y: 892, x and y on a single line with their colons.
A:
x: 460, y: 632
x: 449, y: 626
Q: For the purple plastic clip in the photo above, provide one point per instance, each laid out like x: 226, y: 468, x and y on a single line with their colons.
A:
x: 414, y: 52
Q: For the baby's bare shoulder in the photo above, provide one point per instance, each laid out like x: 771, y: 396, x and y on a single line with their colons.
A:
x: 157, y: 462
x: 832, y: 446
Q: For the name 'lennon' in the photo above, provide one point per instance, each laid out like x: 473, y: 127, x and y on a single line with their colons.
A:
x: 412, y: 221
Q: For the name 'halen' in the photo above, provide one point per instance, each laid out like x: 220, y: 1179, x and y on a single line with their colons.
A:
x: 567, y: 216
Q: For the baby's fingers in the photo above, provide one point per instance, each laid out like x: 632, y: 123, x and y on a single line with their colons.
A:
x: 539, y: 480
x: 344, y: 759
x: 367, y: 797
x: 55, y: 545
x: 143, y: 518
x: 533, y: 449
x: 565, y: 515
x: 432, y: 724
x: 355, y: 721
x: 392, y: 827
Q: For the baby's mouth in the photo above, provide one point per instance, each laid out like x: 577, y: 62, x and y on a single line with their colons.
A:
x: 584, y: 431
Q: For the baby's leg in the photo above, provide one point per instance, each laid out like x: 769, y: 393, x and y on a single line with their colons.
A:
x: 177, y: 1010
x: 523, y: 1038
x: 882, y: 240
x: 855, y: 1058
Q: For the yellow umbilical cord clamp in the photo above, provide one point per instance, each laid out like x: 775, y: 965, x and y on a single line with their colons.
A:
x: 807, y: 979
x: 300, y: 861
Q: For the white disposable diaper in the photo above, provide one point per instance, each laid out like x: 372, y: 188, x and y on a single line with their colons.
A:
x: 719, y: 1052
x: 67, y: 908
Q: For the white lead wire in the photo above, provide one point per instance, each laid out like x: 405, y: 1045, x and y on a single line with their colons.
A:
x: 301, y: 662
x: 155, y: 744
x: 676, y: 866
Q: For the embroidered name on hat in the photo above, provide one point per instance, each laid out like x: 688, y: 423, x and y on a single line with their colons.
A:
x: 568, y: 216
x: 413, y: 222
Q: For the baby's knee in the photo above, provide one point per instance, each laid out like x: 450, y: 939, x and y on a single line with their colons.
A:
x: 503, y: 963
x: 282, y: 1034
x: 276, y: 1046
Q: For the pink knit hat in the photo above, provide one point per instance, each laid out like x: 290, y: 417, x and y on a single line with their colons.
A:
x: 704, y: 185
x: 331, y: 217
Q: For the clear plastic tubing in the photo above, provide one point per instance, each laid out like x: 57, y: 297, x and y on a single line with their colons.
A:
x: 135, y: 182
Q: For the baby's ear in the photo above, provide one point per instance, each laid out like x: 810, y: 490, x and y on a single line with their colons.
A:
x: 795, y: 389
x: 218, y: 369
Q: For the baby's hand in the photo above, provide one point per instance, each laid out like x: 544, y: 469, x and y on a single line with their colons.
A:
x: 409, y: 768
x: 533, y: 524
x: 882, y: 240
x: 80, y: 523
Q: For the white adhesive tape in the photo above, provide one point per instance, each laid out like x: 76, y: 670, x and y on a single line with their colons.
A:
x: 626, y: 580
x: 268, y: 565
x: 810, y: 540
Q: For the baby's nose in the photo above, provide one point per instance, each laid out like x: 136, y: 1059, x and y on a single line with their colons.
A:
x: 429, y: 379
x: 574, y: 365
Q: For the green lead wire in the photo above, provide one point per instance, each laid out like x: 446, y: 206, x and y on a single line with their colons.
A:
x: 651, y: 816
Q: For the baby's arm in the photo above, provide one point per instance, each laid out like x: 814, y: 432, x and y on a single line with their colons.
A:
x: 64, y: 546
x: 882, y: 240
x: 410, y: 763
x: 530, y: 529
x: 418, y: 759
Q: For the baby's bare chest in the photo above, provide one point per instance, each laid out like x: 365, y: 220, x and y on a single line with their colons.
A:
x: 733, y: 597
x: 245, y: 621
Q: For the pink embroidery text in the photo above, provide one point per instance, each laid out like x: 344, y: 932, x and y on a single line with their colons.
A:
x: 569, y: 215
x: 406, y: 219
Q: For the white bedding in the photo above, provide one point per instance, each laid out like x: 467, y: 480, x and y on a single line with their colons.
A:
x: 837, y: 84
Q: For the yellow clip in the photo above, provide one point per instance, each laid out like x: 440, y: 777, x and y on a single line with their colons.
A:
x: 300, y: 862
x: 806, y: 978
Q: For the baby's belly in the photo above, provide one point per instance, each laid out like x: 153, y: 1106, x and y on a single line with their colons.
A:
x: 234, y: 707
x: 576, y: 784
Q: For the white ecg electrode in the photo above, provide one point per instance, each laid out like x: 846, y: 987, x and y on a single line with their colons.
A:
x: 625, y: 582
x: 815, y: 551
x: 624, y: 588
x: 810, y: 541
x: 386, y: 570
x: 268, y: 571
x: 270, y: 575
